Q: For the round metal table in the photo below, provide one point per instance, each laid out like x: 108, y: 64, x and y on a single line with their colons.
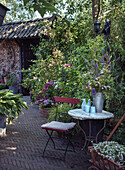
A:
x: 91, y: 124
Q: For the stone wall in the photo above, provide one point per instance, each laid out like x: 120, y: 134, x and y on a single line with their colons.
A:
x: 9, y: 57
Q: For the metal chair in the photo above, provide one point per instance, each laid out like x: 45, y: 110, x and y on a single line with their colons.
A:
x: 56, y: 126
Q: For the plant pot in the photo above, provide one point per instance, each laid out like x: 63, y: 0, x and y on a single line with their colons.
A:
x: 2, y: 125
x: 14, y: 89
x: 44, y: 112
x: 99, y: 101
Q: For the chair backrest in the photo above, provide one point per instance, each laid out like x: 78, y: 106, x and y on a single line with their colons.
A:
x: 61, y: 100
x: 66, y: 100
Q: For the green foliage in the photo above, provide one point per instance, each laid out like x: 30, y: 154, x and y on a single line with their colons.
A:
x: 17, y: 10
x: 71, y: 40
x: 11, y: 79
x: 42, y: 6
x: 2, y: 86
x: 64, y: 117
x: 11, y: 105
x: 119, y: 135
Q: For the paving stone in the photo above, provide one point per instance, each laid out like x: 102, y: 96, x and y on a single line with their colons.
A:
x: 23, y: 145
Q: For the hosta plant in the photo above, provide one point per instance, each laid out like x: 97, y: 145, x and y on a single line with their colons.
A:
x: 11, y: 104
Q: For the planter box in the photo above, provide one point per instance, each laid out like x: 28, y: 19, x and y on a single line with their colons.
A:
x: 103, y: 163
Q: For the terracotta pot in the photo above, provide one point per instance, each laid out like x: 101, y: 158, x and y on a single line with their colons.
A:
x: 44, y: 112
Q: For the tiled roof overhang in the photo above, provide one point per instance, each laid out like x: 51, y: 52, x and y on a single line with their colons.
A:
x: 22, y: 29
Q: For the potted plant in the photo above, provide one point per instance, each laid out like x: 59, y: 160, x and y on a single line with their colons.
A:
x: 45, y: 106
x: 47, y: 100
x: 108, y: 154
x: 1, y: 78
x: 12, y: 82
x: 98, y: 75
x: 4, y: 75
x: 3, y: 86
x: 10, y: 107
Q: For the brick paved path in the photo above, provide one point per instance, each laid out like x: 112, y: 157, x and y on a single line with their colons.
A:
x: 22, y: 148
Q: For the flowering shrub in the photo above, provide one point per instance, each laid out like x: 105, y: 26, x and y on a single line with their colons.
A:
x: 50, y: 90
x: 44, y: 102
x: 4, y: 74
x: 97, y: 69
x: 99, y: 75
x: 112, y: 150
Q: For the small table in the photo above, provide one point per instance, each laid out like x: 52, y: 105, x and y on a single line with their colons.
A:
x: 91, y: 124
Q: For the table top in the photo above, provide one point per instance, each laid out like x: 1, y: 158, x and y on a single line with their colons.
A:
x: 82, y: 115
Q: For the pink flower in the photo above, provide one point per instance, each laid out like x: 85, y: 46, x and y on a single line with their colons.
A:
x: 67, y: 65
x: 117, y: 36
x: 43, y: 89
x: 43, y: 92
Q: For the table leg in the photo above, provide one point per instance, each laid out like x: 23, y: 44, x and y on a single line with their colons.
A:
x: 100, y: 131
x: 84, y: 136
x: 91, y: 130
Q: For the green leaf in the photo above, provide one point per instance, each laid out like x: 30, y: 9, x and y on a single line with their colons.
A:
x: 25, y: 1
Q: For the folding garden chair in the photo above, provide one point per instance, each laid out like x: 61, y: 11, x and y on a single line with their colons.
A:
x: 60, y: 126
x: 100, y: 162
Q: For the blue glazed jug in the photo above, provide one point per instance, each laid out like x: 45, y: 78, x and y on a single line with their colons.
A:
x: 83, y: 104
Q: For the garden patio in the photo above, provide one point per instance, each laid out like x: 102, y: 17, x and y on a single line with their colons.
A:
x: 23, y: 146
x: 78, y: 57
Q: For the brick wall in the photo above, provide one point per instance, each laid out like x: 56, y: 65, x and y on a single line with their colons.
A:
x: 9, y: 57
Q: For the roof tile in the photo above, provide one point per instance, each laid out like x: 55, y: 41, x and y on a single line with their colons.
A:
x: 22, y: 29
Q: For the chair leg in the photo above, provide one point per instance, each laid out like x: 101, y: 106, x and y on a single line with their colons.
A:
x: 50, y: 138
x: 66, y: 151
x: 69, y: 142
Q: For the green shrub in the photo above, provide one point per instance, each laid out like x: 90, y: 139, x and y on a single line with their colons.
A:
x: 2, y: 86
x: 11, y: 104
